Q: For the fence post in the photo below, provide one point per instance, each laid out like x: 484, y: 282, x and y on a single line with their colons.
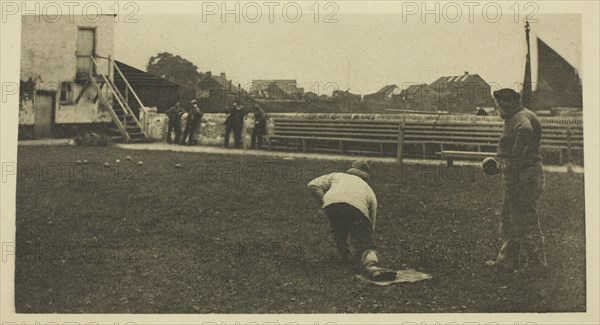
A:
x: 400, y: 142
x: 244, y: 130
x: 569, y: 146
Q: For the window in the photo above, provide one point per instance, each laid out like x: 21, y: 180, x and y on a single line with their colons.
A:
x: 66, y: 92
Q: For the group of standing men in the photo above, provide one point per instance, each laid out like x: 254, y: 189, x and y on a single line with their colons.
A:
x: 234, y: 122
x: 193, y: 116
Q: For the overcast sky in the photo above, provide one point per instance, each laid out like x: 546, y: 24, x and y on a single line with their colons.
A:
x: 362, y: 52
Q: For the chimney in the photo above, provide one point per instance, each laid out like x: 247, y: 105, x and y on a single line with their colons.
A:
x: 209, y: 73
x: 223, y: 75
x: 466, y: 73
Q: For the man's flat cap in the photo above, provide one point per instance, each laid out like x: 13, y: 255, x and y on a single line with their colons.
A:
x: 506, y: 95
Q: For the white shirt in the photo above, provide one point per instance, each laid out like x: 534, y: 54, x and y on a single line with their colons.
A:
x: 346, y: 188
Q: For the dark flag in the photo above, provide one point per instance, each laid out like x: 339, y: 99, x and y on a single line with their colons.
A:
x: 558, y: 83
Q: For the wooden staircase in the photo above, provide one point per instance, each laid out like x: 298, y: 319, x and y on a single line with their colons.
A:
x: 133, y: 129
x: 127, y: 128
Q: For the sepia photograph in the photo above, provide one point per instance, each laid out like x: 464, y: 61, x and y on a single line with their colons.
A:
x: 309, y: 157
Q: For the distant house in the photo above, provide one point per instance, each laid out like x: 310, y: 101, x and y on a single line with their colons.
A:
x: 215, y: 92
x: 419, y: 97
x: 274, y: 92
x: 463, y: 93
x: 277, y: 90
x: 384, y: 95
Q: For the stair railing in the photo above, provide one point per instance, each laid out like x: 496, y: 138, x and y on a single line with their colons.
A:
x: 120, y: 125
x: 120, y: 99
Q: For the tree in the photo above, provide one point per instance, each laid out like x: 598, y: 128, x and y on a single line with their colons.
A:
x: 174, y: 68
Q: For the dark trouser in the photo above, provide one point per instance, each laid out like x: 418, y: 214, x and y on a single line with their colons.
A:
x: 190, y: 131
x: 522, y: 239
x: 257, y: 138
x: 174, y: 126
x: 349, y: 223
x: 237, y: 136
x: 228, y: 129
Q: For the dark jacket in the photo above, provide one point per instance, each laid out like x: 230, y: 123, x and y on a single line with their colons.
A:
x: 521, y: 139
x: 237, y: 118
x: 260, y: 120
x: 229, y: 118
x: 195, y: 115
x: 174, y: 113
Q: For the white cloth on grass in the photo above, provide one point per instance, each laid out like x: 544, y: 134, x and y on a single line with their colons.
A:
x: 401, y: 276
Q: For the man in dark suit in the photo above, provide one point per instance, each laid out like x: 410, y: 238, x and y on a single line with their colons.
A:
x: 174, y: 113
x: 193, y: 122
x: 523, y: 180
x: 260, y: 127
x: 228, y: 123
x: 237, y: 124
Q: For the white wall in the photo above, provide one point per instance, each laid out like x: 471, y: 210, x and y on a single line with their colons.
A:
x: 48, y: 58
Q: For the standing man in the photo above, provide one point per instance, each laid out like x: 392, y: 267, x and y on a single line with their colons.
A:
x: 228, y: 123
x: 520, y: 163
x: 260, y: 127
x: 174, y: 113
x: 351, y: 207
x: 193, y: 121
x: 237, y: 124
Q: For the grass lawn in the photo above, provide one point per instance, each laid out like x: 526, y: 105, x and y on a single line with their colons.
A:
x: 217, y: 236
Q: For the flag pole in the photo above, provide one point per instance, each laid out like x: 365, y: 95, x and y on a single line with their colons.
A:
x: 527, y: 88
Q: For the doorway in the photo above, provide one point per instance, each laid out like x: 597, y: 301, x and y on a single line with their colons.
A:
x: 43, y: 108
x: 86, y: 47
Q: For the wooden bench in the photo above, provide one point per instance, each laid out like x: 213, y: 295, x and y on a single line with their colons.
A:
x: 557, y: 138
x: 453, y: 136
x: 451, y: 139
x: 316, y: 134
x: 450, y: 155
x: 343, y: 136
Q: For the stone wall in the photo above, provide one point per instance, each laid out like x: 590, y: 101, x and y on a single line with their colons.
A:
x: 211, y: 131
